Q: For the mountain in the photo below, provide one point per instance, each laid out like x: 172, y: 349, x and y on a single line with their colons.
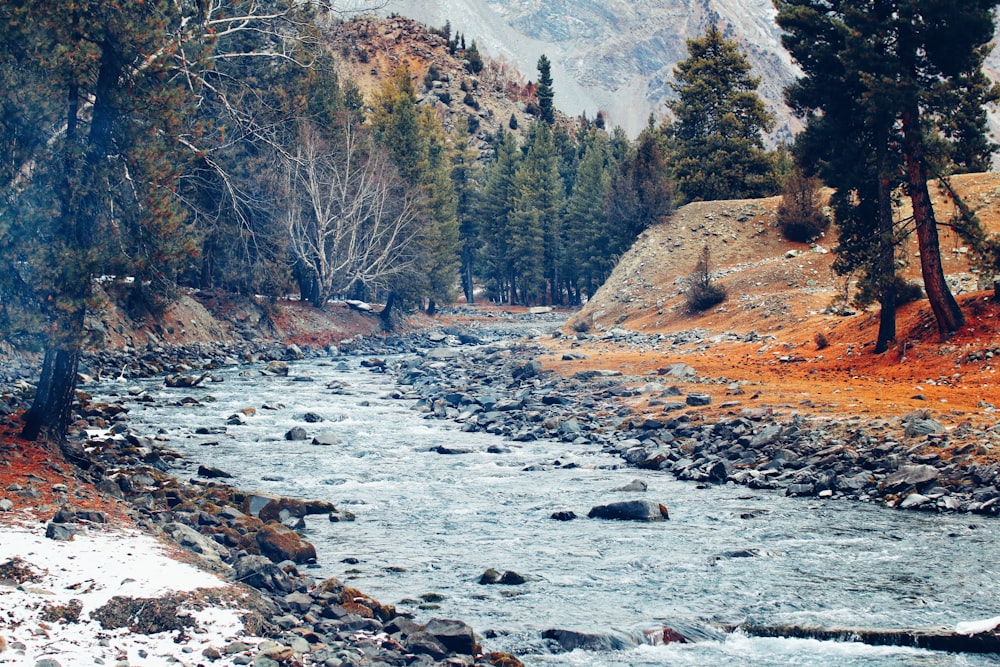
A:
x: 614, y: 55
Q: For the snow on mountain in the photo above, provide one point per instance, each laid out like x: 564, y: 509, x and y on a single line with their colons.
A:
x: 613, y: 55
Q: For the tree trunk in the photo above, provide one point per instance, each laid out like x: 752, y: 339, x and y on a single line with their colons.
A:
x: 431, y: 307
x: 386, y: 315
x: 946, y: 310
x: 467, y: 284
x: 886, y: 268
x: 52, y: 406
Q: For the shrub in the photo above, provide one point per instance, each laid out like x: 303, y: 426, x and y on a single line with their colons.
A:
x: 512, y: 123
x: 800, y: 214
x: 701, y: 294
x: 444, y: 96
x: 473, y: 124
x: 907, y: 291
x: 821, y: 341
x: 470, y: 100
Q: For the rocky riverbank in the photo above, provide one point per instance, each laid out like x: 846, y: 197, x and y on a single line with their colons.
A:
x: 489, y: 375
x: 912, y: 462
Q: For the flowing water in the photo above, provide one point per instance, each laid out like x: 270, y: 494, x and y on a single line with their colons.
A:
x: 429, y: 523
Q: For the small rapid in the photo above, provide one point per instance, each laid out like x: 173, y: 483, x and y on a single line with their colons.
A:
x: 429, y: 524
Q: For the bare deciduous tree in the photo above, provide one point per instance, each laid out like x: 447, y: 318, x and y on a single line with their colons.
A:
x: 351, y: 220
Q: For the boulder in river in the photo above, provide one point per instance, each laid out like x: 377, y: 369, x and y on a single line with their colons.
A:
x: 630, y: 510
x: 571, y: 640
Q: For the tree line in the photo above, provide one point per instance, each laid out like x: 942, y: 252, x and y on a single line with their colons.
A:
x: 210, y: 144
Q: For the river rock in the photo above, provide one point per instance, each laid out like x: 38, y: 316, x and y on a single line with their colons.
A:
x: 630, y: 510
x: 280, y: 543
x: 279, y: 368
x: 326, y: 439
x: 424, y: 643
x: 907, y: 476
x: 564, y: 515
x: 456, y: 636
x: 296, y: 433
x: 60, y: 532
x: 209, y: 472
x: 571, y: 640
x: 259, y: 572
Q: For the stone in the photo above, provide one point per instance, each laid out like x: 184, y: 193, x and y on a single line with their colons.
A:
x: 489, y: 577
x: 280, y: 543
x: 6, y: 505
x: 296, y: 433
x: 279, y: 368
x: 564, y: 515
x: 907, y: 476
x: 191, y: 539
x: 326, y: 439
x: 698, y: 399
x: 423, y: 643
x: 456, y: 636
x: 312, y: 418
x: 511, y: 578
x: 60, y: 532
x: 914, y: 500
x: 630, y: 510
x: 259, y: 572
x: 212, y: 473
x: 636, y: 485
x: 571, y: 640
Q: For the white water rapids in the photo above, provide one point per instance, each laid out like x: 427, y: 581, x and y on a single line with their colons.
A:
x: 432, y: 523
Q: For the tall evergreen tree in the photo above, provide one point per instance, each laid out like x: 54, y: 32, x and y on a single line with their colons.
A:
x: 545, y: 92
x: 641, y: 192
x: 123, y: 88
x: 536, y: 217
x: 586, y: 232
x: 720, y: 121
x: 495, y: 208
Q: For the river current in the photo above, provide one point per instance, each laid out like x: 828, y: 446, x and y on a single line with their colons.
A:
x: 430, y: 524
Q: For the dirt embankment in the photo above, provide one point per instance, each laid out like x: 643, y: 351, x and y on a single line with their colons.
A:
x: 777, y: 334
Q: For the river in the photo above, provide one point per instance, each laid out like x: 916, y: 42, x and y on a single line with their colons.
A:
x: 429, y: 524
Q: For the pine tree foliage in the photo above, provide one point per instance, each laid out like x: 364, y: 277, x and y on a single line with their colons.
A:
x: 545, y: 93
x: 894, y: 69
x: 719, y: 123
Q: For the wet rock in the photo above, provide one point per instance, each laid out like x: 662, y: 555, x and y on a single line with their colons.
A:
x: 455, y: 636
x: 326, y: 439
x: 630, y: 510
x: 563, y: 515
x: 571, y: 640
x: 212, y: 473
x: 636, y: 485
x: 296, y: 433
x: 279, y: 368
x: 280, y: 543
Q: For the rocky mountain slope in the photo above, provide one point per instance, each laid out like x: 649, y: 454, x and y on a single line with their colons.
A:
x: 614, y: 55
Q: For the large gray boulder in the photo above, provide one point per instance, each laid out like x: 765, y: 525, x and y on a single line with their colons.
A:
x: 630, y: 510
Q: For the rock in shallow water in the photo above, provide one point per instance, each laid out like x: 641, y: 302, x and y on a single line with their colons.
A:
x: 630, y: 510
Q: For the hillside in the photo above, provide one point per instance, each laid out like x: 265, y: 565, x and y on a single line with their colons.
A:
x: 763, y: 337
x: 371, y: 49
x: 615, y: 55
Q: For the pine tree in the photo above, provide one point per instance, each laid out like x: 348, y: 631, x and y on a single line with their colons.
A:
x: 641, y: 192
x: 535, y: 218
x: 719, y: 123
x: 120, y: 91
x: 545, y: 93
x: 586, y: 233
x: 495, y: 209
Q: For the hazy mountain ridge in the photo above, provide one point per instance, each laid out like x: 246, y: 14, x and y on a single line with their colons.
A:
x: 614, y: 55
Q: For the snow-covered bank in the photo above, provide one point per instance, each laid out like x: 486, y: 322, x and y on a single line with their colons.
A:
x: 52, y: 593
